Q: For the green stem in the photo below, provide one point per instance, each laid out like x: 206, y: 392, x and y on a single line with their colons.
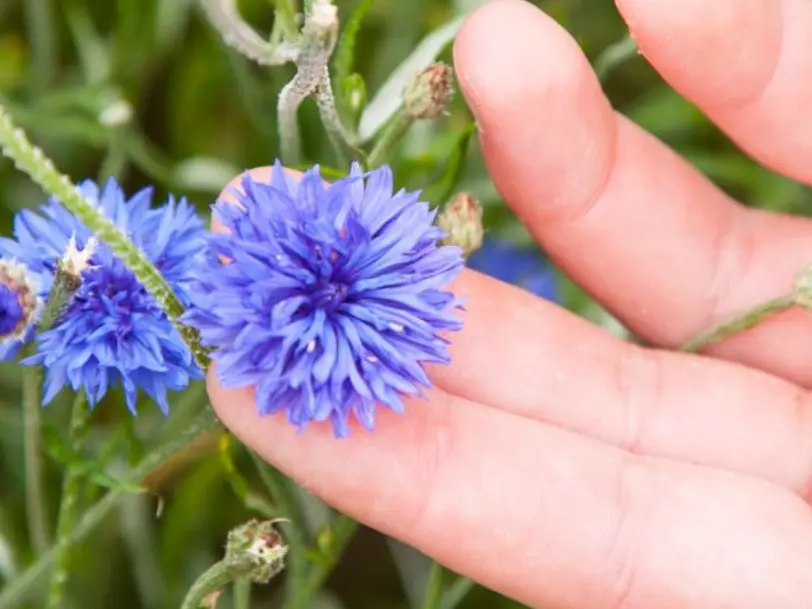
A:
x: 457, y: 592
x: 285, y: 16
x: 41, y: 170
x: 342, y: 140
x: 242, y: 594
x: 35, y: 504
x: 613, y: 56
x: 394, y: 132
x: 434, y: 587
x: 343, y: 530
x: 738, y: 323
x: 217, y: 576
x: 16, y: 591
x: 39, y: 23
x: 71, y: 485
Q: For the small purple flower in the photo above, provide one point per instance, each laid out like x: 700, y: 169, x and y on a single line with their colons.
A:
x: 331, y: 299
x: 19, y: 304
x: 520, y: 266
x: 112, y: 331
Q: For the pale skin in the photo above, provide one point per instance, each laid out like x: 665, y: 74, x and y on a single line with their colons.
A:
x: 553, y: 462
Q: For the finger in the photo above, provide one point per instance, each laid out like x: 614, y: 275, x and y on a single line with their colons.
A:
x: 526, y: 356
x: 544, y: 516
x: 647, y: 235
x: 741, y: 61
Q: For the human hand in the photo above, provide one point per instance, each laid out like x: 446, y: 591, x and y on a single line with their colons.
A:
x: 553, y: 462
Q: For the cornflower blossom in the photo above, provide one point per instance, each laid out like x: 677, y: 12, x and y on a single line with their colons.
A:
x: 111, y: 331
x: 328, y: 299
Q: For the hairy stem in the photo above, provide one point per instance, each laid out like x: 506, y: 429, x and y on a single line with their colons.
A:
x: 343, y: 530
x: 17, y: 590
x: 344, y: 142
x: 41, y: 170
x: 738, y: 323
x: 35, y: 505
x: 71, y: 485
x: 394, y: 132
x: 217, y: 576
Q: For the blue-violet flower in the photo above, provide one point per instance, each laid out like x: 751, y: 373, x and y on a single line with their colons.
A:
x: 19, y: 302
x: 112, y: 331
x: 328, y: 299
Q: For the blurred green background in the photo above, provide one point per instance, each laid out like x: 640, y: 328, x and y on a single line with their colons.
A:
x: 72, y: 70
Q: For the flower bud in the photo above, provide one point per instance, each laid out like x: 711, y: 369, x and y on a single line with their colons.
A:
x: 256, y: 550
x: 461, y: 219
x: 19, y: 301
x: 428, y: 92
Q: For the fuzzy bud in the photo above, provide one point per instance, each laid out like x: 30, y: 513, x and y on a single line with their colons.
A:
x: 256, y: 550
x: 19, y: 301
x: 461, y: 219
x: 429, y: 92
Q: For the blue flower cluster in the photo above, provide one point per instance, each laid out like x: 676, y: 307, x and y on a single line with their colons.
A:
x: 112, y: 332
x: 327, y: 300
x: 520, y: 266
x: 330, y: 298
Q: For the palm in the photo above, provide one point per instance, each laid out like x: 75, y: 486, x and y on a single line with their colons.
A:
x: 553, y: 462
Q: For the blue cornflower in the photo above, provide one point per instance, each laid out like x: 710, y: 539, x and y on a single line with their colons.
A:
x: 329, y: 299
x: 112, y: 331
x: 19, y: 304
x: 520, y: 266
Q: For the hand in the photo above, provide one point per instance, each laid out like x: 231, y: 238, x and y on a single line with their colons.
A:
x: 553, y: 462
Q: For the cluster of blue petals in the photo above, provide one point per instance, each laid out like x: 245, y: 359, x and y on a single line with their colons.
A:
x: 11, y: 311
x: 520, y: 266
x: 327, y: 300
x: 112, y: 332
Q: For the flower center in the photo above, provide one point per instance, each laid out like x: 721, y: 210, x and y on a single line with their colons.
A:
x: 11, y: 311
x: 329, y: 295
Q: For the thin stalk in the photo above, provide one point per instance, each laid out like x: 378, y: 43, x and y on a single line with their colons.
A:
x: 242, y: 594
x: 35, y: 504
x: 343, y: 142
x: 217, y: 576
x: 39, y: 24
x: 16, y: 591
x: 434, y: 587
x: 285, y: 16
x: 738, y: 323
x: 41, y: 170
x: 71, y: 486
x: 394, y: 132
x: 457, y: 592
x: 343, y: 530
x: 613, y: 56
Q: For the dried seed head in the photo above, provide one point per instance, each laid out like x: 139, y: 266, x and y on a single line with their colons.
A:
x: 461, y: 219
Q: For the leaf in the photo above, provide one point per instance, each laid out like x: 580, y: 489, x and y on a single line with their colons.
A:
x: 442, y: 191
x: 59, y: 449
x: 345, y: 52
x: 388, y: 99
x: 239, y: 484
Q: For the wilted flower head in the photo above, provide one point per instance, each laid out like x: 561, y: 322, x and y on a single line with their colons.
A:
x: 520, y: 266
x: 428, y: 92
x: 329, y: 299
x: 19, y: 301
x: 461, y: 218
x: 112, y: 331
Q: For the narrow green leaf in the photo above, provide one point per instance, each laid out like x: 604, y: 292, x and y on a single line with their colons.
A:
x: 345, y: 51
x: 444, y: 188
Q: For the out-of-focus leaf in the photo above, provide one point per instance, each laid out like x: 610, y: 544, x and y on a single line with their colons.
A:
x: 12, y: 62
x: 388, y: 98
x: 60, y: 450
x: 444, y: 188
x: 93, y: 51
x: 205, y: 174
x: 239, y: 484
x: 171, y: 17
x: 413, y: 568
